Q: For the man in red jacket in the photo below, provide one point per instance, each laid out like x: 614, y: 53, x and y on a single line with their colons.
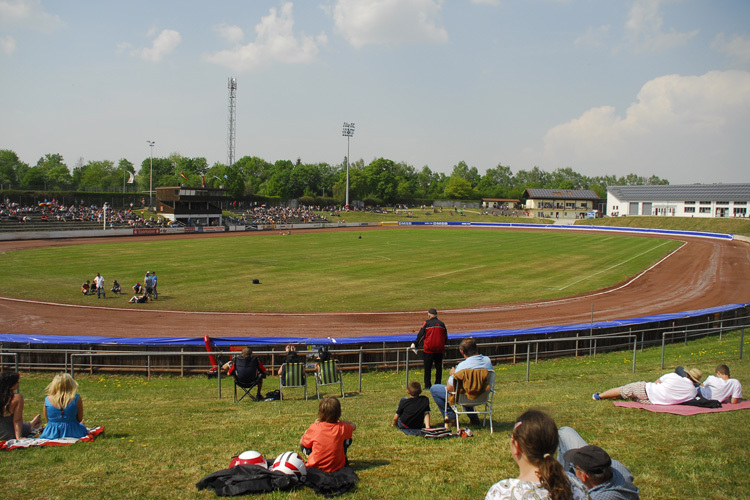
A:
x: 434, y: 335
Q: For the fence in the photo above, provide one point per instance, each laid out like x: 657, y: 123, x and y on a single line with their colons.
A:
x: 192, y: 360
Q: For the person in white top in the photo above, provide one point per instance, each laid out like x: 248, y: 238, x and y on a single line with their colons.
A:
x: 670, y: 389
x: 721, y: 387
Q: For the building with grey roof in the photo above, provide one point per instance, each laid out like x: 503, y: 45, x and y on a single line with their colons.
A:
x: 561, y: 203
x: 693, y: 200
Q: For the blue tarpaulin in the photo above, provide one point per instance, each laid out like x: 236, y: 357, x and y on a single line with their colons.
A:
x: 219, y: 341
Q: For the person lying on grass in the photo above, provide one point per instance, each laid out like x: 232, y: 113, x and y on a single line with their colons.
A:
x: 135, y: 299
x: 326, y: 441
x: 670, y: 389
x: 413, y: 412
x: 722, y: 388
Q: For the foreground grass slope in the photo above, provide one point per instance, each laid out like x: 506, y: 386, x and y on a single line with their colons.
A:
x: 165, y: 434
x: 369, y: 270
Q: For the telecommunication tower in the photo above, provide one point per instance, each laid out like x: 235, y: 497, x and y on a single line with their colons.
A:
x: 231, y: 135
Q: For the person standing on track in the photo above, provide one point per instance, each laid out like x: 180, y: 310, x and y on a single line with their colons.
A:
x: 434, y: 335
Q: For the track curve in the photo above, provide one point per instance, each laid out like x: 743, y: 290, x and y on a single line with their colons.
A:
x: 702, y: 273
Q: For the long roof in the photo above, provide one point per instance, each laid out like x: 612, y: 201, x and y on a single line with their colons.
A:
x: 563, y: 194
x: 688, y: 192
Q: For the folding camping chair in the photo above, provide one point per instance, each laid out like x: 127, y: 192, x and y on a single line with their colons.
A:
x: 246, y: 388
x: 293, y: 376
x: 461, y: 399
x: 329, y: 374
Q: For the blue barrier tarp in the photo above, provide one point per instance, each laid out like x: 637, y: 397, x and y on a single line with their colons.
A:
x: 223, y: 341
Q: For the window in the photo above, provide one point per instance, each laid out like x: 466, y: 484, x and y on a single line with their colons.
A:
x: 740, y: 211
x: 722, y: 203
x: 705, y: 210
x: 740, y: 203
x: 705, y: 203
x: 689, y: 210
x: 689, y: 203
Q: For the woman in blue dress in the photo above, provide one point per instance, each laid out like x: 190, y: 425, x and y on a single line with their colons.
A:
x: 63, y: 409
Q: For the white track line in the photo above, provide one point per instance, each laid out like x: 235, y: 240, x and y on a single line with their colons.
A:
x: 453, y: 272
x: 612, y: 267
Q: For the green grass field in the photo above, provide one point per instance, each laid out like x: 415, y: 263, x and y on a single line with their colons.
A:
x: 711, y: 225
x: 163, y: 435
x: 364, y: 270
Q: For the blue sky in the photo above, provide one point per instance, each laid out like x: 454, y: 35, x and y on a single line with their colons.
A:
x: 604, y: 87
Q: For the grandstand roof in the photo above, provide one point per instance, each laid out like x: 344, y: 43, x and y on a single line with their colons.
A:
x: 566, y: 194
x: 690, y: 192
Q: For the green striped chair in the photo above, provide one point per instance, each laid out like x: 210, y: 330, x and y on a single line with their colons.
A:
x: 293, y: 376
x: 329, y: 374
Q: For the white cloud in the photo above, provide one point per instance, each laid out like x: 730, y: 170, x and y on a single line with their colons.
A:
x: 644, y: 28
x: 164, y: 44
x: 695, y: 127
x: 594, y: 37
x: 738, y: 48
x: 27, y: 14
x: 275, y: 41
x: 232, y: 34
x: 363, y: 22
x: 7, y: 45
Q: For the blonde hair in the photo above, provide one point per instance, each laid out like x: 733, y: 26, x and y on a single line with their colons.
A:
x: 62, y: 390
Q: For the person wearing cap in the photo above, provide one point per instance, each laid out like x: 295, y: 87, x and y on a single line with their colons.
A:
x: 605, y: 479
x: 669, y: 389
x: 434, y: 335
x: 721, y: 387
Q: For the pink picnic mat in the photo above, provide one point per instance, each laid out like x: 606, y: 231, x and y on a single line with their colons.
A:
x: 20, y: 444
x: 683, y: 409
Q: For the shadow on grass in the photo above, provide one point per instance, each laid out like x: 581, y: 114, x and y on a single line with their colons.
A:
x: 360, y: 465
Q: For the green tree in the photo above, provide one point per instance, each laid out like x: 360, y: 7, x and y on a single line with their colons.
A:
x: 465, y: 172
x: 12, y: 169
x: 459, y: 188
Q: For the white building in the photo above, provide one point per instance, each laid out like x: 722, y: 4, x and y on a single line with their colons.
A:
x: 694, y: 200
x: 560, y: 203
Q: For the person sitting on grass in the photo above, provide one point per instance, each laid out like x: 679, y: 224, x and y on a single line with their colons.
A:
x: 722, y: 388
x: 12, y: 425
x: 135, y: 299
x: 86, y: 288
x: 606, y: 479
x: 670, y: 389
x: 116, y: 288
x: 413, y: 413
x: 63, y: 409
x: 246, y: 370
x: 533, y: 443
x: 327, y: 440
x: 137, y: 288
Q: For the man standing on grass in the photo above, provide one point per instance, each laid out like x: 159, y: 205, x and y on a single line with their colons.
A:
x: 99, y: 283
x: 434, y: 335
x: 606, y: 479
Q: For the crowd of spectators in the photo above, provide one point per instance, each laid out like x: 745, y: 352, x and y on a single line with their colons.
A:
x: 58, y: 212
x: 281, y: 215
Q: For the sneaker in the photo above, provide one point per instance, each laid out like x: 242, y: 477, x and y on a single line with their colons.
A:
x: 474, y: 420
x: 596, y: 396
x: 449, y: 422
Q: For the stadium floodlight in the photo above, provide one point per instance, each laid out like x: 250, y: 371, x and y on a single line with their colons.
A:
x: 348, y: 132
x: 151, y: 177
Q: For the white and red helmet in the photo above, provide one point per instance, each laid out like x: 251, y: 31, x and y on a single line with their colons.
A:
x: 250, y: 457
x: 292, y: 464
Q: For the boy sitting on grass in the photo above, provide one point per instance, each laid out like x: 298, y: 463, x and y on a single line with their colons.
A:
x: 413, y: 412
x: 325, y: 442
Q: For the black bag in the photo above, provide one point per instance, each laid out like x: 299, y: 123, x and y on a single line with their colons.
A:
x: 702, y: 402
x: 274, y: 395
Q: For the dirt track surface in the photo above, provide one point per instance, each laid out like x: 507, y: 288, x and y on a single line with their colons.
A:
x: 702, y: 273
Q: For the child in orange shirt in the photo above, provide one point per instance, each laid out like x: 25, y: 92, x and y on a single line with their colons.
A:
x: 327, y: 439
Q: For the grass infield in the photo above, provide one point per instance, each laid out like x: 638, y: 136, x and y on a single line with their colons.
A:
x: 378, y: 270
x: 163, y: 435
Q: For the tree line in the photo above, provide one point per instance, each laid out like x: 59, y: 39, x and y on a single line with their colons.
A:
x: 381, y: 181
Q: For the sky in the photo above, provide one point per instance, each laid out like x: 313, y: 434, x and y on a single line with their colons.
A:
x: 650, y: 87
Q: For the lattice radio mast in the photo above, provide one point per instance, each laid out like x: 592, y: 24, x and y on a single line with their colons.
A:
x: 231, y: 134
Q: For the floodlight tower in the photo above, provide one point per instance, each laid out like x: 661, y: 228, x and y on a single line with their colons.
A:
x: 151, y: 177
x: 232, y: 85
x: 348, y: 132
